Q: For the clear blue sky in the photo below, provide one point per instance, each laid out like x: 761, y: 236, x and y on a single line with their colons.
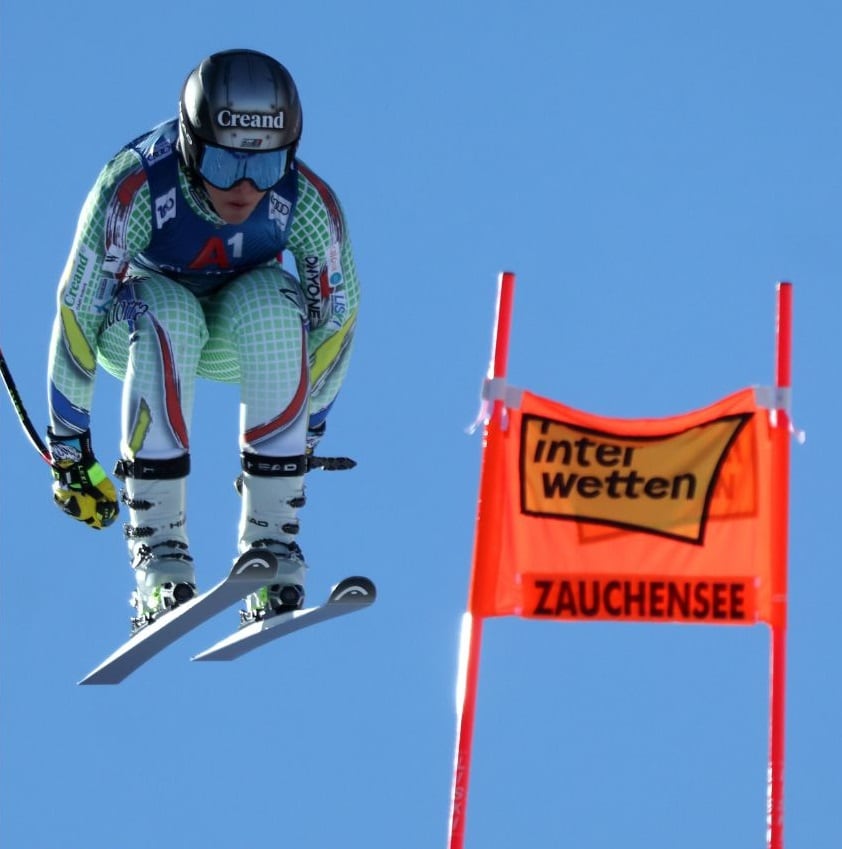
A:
x: 649, y: 170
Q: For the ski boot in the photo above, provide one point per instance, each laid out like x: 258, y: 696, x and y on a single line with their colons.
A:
x: 165, y: 579
x: 269, y: 520
x: 157, y: 537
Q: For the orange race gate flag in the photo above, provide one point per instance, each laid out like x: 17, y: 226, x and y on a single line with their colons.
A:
x: 584, y: 518
x: 646, y: 520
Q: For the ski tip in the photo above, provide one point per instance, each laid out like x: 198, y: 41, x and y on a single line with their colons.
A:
x: 354, y: 590
x: 258, y: 564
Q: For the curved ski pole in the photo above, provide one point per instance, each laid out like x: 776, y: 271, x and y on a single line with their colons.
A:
x: 23, y: 416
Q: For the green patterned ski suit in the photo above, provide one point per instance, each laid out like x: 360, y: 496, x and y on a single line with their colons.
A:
x: 230, y: 312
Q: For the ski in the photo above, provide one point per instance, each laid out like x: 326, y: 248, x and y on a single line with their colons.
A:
x: 348, y: 596
x: 250, y: 571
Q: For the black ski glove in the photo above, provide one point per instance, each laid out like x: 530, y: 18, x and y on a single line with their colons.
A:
x: 81, y: 487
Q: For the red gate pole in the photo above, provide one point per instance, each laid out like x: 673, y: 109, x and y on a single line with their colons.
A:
x: 486, y: 545
x: 780, y: 541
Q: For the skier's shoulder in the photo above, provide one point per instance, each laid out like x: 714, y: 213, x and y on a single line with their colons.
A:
x: 312, y: 183
x: 120, y: 198
x: 156, y: 145
x: 124, y: 177
x: 318, y: 204
x: 127, y: 170
x: 123, y: 172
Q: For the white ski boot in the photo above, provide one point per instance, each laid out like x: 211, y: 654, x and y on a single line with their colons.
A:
x: 158, y: 546
x: 269, y: 520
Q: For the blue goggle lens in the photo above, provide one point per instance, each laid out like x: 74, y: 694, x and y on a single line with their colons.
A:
x: 223, y: 168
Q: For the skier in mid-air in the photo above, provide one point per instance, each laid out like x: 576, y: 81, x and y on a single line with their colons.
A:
x: 175, y: 273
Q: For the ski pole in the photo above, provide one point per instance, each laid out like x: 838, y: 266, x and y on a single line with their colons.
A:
x: 23, y: 416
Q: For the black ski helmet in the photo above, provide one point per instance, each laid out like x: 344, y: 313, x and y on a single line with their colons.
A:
x: 238, y: 99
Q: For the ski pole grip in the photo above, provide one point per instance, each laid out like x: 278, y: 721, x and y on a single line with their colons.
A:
x: 330, y: 464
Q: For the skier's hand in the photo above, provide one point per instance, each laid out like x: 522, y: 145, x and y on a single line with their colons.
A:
x: 81, y: 487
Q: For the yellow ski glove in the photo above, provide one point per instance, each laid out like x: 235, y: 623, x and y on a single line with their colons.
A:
x: 81, y: 487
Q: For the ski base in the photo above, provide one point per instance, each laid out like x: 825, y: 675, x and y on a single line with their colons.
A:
x: 348, y: 596
x: 250, y: 572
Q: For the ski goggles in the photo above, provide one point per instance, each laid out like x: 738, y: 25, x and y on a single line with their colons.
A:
x: 223, y: 168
